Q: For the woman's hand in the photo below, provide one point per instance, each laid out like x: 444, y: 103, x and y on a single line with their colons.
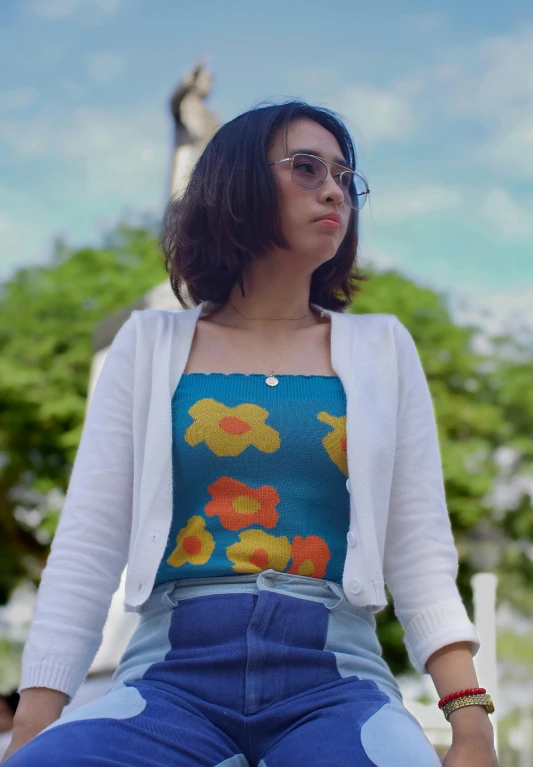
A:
x: 472, y: 739
x: 471, y: 750
x: 38, y: 707
x: 19, y: 738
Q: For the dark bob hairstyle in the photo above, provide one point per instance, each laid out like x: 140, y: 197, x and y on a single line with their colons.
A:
x: 229, y: 213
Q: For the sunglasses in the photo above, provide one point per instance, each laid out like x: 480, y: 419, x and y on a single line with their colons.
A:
x: 309, y: 173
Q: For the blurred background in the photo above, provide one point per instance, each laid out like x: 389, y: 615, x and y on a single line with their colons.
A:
x: 104, y: 105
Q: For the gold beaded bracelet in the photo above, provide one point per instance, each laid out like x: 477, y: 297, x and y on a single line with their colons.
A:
x: 468, y: 700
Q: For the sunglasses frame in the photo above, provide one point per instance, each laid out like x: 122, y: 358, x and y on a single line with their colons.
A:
x: 324, y: 162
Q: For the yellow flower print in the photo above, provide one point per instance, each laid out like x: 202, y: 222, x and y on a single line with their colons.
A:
x: 335, y: 441
x: 258, y: 551
x: 229, y: 430
x: 194, y: 544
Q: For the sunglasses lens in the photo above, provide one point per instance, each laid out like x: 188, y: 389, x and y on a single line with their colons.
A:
x: 355, y: 190
x: 348, y: 188
x: 308, y: 172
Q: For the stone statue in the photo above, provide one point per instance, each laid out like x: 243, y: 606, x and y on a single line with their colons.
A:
x: 194, y: 124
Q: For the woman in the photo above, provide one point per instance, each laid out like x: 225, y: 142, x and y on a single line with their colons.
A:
x: 264, y: 463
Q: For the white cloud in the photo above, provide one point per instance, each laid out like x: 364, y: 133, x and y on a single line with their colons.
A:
x: 119, y: 153
x: 29, y: 138
x: 10, y: 235
x: 402, y: 203
x: 379, y: 114
x: 501, y: 85
x: 512, y: 148
x: 17, y: 98
x: 55, y: 9
x: 509, y: 217
x: 370, y: 256
x: 98, y: 163
x: 21, y: 235
x: 62, y: 9
x: 493, y: 83
x: 104, y: 164
x: 105, y: 67
x: 493, y: 311
x: 502, y: 311
x: 429, y: 22
x: 372, y: 113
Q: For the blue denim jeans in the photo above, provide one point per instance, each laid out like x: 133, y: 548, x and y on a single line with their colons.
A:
x: 268, y: 670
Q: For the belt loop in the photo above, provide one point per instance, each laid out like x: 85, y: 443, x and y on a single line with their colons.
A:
x: 339, y: 591
x: 267, y: 579
x: 166, y: 597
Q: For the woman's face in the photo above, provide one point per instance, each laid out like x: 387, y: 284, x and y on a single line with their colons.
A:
x: 300, y: 209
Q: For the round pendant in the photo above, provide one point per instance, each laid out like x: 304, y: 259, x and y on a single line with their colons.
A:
x: 271, y: 381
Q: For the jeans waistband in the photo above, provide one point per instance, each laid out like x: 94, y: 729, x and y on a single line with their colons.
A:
x: 329, y: 593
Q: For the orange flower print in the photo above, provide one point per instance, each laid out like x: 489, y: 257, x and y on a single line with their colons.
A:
x: 239, y: 505
x: 310, y: 556
x: 258, y: 551
x: 229, y: 430
x: 335, y: 441
x: 194, y: 544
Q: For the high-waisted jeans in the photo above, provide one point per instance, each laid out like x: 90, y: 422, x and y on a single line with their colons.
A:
x: 268, y: 670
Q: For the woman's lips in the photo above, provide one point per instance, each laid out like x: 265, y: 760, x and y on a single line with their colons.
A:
x: 329, y: 223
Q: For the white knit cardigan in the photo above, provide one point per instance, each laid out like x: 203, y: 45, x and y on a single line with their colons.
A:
x: 118, y: 506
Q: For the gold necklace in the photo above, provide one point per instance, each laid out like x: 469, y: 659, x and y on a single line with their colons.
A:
x: 270, y: 380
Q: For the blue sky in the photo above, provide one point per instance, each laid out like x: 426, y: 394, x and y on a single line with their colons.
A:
x: 438, y: 96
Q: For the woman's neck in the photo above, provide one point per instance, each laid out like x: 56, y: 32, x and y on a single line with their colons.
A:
x: 268, y: 311
x: 264, y: 318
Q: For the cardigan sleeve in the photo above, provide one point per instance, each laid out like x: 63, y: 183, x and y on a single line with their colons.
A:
x: 420, y: 559
x: 90, y: 546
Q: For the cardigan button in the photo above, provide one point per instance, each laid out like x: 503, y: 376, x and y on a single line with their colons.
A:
x: 352, y: 540
x: 355, y: 586
x: 348, y: 485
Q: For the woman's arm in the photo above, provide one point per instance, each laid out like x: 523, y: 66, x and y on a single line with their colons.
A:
x: 452, y: 669
x: 38, y: 707
x: 90, y: 547
x: 421, y: 562
x: 420, y: 559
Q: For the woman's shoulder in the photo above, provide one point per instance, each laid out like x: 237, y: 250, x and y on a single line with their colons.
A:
x: 143, y: 326
x: 383, y: 331
x: 151, y: 315
x: 374, y: 322
x: 158, y: 318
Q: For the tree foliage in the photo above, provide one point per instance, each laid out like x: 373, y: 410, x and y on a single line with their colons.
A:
x: 47, y: 317
x: 483, y: 405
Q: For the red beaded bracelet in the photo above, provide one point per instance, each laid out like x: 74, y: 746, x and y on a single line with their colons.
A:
x: 460, y: 694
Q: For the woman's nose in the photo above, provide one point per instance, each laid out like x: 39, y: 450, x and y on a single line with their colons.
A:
x: 331, y: 190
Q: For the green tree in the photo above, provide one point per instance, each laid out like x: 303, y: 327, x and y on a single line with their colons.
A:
x: 481, y: 406
x: 47, y: 318
x: 511, y: 380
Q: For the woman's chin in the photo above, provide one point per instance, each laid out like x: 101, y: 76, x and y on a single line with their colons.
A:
x: 316, y: 253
